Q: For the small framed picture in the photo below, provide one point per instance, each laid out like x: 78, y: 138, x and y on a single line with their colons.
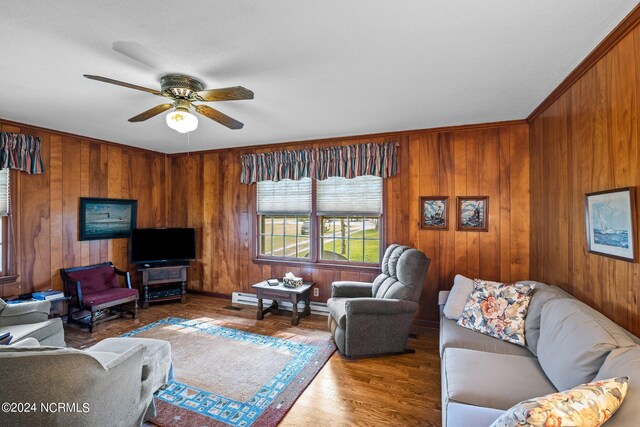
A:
x: 106, y: 218
x: 610, y: 217
x: 473, y: 213
x: 434, y: 212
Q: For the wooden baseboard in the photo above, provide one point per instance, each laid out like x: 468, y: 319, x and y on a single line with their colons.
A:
x: 209, y: 294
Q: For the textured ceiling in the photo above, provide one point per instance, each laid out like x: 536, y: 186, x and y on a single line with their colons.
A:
x: 317, y: 68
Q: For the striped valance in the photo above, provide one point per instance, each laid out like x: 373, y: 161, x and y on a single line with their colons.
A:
x: 321, y: 163
x: 20, y: 152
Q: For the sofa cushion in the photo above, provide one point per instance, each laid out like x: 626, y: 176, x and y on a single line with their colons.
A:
x: 108, y: 295
x: 574, y: 342
x: 541, y: 295
x: 491, y: 380
x: 337, y: 310
x: 497, y: 310
x: 586, y: 405
x: 94, y: 279
x: 462, y: 288
x: 624, y: 362
x: 454, y: 336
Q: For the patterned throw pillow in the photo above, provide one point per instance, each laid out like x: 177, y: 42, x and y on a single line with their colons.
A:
x: 498, y: 310
x: 587, y: 405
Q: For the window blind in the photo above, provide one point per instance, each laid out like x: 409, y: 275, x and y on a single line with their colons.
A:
x: 4, y: 192
x: 361, y: 195
x: 286, y: 196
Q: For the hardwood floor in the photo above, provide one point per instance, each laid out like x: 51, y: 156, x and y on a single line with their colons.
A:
x: 385, y: 391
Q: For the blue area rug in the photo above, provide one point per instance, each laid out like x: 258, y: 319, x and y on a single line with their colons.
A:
x: 226, y: 376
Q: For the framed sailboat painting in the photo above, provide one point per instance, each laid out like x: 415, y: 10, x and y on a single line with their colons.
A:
x: 106, y: 218
x: 611, y: 223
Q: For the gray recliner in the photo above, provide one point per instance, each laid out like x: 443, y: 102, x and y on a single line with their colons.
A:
x: 369, y: 319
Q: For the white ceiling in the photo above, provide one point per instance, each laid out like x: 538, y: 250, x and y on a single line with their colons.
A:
x: 318, y: 68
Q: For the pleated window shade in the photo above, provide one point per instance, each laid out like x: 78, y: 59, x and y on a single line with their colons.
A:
x: 361, y: 196
x: 284, y: 197
x: 4, y: 192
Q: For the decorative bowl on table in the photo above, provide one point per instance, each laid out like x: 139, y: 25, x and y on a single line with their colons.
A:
x: 296, y: 282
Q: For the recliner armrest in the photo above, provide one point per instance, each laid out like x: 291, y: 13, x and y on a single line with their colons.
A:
x: 379, y: 306
x: 347, y: 289
x: 24, y: 313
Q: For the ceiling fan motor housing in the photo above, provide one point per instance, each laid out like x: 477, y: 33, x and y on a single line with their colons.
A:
x: 181, y: 87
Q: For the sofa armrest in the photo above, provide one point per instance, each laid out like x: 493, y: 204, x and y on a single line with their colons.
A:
x: 24, y: 313
x: 351, y: 289
x: 442, y: 300
x: 442, y: 297
x: 379, y: 306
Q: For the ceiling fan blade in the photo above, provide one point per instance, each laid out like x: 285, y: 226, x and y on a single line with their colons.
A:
x: 225, y: 94
x: 151, y: 112
x: 219, y: 117
x: 119, y: 83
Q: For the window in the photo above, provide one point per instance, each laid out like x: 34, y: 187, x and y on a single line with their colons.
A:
x: 334, y: 220
x: 284, y: 210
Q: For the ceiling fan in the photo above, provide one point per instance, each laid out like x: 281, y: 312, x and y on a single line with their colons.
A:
x: 185, y: 90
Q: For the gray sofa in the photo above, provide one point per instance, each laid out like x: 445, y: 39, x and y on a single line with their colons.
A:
x: 368, y: 319
x: 567, y: 344
x: 31, y: 320
x: 109, y: 384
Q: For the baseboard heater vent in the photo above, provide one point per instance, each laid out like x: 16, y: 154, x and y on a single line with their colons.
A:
x: 252, y: 299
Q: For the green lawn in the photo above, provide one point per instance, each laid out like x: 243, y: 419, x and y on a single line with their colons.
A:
x: 355, y: 250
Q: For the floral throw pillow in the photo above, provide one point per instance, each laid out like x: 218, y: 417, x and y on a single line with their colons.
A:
x: 587, y: 405
x: 498, y: 310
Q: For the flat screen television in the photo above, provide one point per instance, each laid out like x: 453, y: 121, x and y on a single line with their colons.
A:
x: 162, y: 245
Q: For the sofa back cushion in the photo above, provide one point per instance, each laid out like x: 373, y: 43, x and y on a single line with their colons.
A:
x: 624, y: 362
x: 574, y: 342
x: 403, y: 272
x: 95, y: 279
x: 541, y: 295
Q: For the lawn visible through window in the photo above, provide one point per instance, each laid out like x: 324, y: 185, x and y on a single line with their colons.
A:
x: 284, y: 236
x: 350, y: 238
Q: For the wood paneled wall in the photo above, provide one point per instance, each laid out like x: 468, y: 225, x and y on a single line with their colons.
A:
x: 46, y: 206
x: 490, y: 160
x: 203, y: 190
x: 586, y: 141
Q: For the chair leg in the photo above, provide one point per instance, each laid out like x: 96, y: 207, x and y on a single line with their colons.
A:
x: 135, y: 309
x: 93, y: 321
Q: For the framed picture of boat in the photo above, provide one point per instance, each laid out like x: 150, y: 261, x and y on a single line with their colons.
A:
x: 473, y: 213
x: 611, y: 223
x: 434, y: 212
x: 107, y: 218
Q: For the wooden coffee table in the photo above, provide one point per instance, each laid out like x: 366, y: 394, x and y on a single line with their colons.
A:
x: 282, y: 293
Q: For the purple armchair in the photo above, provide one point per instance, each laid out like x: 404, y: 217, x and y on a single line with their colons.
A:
x: 94, y: 288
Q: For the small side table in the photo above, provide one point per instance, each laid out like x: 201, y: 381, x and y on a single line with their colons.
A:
x: 282, y: 293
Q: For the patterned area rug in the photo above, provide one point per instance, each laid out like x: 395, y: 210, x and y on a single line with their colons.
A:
x: 225, y: 376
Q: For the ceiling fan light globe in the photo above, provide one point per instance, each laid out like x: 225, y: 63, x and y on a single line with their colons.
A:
x: 182, y: 121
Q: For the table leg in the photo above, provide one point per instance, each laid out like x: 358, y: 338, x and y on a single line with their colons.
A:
x: 307, y: 305
x: 260, y: 312
x: 295, y: 318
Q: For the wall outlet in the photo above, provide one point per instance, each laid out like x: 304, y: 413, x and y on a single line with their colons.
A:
x: 316, y: 292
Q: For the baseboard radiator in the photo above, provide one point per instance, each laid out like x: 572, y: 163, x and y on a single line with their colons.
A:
x: 252, y: 299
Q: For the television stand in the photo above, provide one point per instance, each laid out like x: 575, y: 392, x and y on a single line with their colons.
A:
x: 163, y: 282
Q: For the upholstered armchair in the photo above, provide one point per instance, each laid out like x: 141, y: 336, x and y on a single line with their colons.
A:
x: 31, y: 320
x: 109, y: 384
x: 369, y: 319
